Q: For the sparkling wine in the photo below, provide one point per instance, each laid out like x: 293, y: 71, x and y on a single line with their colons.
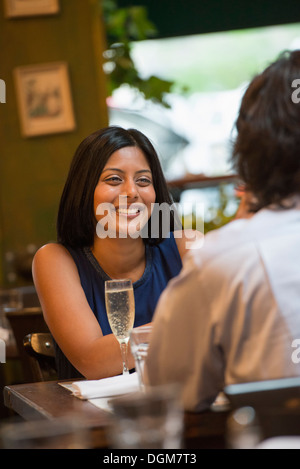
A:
x: 120, y: 312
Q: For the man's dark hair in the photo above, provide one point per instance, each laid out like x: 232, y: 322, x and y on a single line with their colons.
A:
x: 266, y: 152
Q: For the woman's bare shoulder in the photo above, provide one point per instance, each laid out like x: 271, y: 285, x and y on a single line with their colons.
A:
x: 53, y: 268
x: 52, y: 253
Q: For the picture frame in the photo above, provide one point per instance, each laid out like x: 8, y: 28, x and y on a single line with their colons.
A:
x: 22, y: 8
x: 44, y: 99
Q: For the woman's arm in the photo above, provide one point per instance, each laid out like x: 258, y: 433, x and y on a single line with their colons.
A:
x: 70, y: 318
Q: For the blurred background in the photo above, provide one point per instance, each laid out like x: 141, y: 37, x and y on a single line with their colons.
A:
x: 175, y: 70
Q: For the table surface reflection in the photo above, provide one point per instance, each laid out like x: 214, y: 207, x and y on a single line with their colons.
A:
x: 48, y: 400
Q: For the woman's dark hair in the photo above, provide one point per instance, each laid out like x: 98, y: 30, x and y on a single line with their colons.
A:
x: 76, y: 222
x: 266, y: 153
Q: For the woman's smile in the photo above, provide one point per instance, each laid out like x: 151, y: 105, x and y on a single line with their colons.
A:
x: 131, y: 211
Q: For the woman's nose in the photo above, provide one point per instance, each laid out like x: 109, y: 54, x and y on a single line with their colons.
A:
x: 130, y: 189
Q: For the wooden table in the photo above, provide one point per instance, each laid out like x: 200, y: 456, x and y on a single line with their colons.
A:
x: 48, y: 400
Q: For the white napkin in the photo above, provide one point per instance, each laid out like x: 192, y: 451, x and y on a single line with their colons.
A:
x: 114, y: 386
x: 280, y: 442
x: 4, y: 334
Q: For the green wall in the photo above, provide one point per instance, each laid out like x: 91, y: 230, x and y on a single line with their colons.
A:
x: 33, y: 170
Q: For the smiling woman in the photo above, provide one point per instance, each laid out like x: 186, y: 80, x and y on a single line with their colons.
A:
x: 116, y: 170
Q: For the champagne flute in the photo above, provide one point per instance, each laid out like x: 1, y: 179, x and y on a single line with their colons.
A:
x: 120, y: 307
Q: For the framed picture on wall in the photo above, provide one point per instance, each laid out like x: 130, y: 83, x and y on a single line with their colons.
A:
x: 44, y: 99
x: 17, y: 8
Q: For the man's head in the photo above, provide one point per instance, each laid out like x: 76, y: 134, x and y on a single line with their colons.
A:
x: 266, y: 152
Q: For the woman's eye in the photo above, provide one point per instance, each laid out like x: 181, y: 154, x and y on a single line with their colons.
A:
x: 144, y: 181
x: 113, y: 179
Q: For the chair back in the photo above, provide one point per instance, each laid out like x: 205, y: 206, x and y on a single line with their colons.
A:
x: 26, y: 321
x: 263, y: 394
x: 275, y: 402
x: 40, y: 349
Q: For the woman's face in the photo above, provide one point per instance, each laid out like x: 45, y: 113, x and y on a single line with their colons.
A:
x: 124, y: 194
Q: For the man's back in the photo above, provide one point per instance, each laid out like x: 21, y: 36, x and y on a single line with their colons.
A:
x: 233, y: 313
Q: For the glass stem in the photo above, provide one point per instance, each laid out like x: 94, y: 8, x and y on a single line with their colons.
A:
x: 123, y: 346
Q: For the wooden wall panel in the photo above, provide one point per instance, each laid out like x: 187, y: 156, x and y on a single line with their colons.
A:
x: 33, y: 170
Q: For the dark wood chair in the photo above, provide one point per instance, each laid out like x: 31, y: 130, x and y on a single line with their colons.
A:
x: 26, y: 321
x: 275, y: 402
x: 40, y: 349
x: 29, y: 296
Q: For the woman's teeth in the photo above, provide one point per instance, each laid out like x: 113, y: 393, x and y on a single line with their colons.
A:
x: 128, y: 211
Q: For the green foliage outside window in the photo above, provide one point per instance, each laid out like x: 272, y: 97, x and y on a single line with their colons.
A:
x: 124, y: 25
x: 216, y: 216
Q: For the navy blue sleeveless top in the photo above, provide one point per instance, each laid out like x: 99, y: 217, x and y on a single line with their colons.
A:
x: 163, y: 262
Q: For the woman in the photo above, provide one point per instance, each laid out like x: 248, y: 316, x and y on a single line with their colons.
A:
x: 103, y: 231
